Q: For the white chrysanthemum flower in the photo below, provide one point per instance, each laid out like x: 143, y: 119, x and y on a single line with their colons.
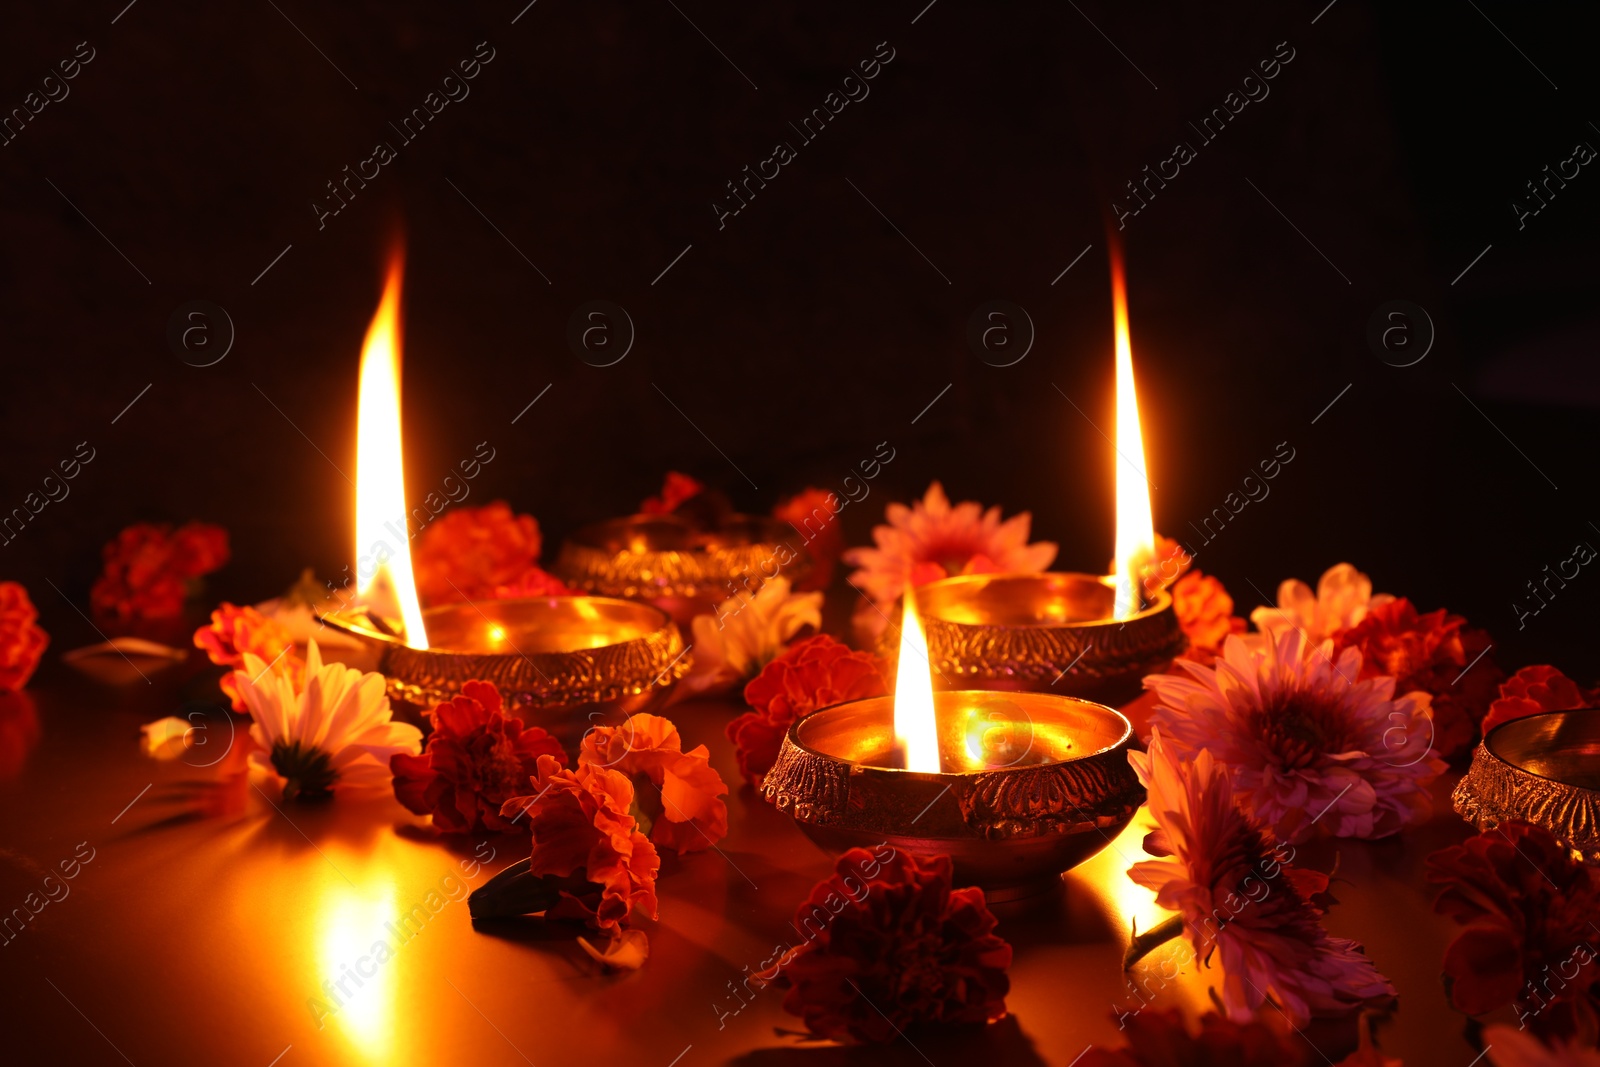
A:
x: 1310, y: 747
x: 748, y: 632
x: 332, y: 732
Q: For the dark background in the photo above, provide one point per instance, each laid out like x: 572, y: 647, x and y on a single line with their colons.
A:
x: 809, y: 329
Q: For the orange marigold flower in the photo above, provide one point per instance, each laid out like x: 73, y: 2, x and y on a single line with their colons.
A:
x: 814, y: 514
x: 233, y: 632
x: 675, y: 489
x: 1533, y: 690
x: 677, y: 793
x: 533, y: 583
x: 1161, y: 565
x: 467, y: 553
x: 476, y: 758
x: 150, y: 569
x: 22, y: 642
x: 893, y: 947
x: 1435, y: 653
x: 810, y: 674
x: 586, y: 846
x: 1205, y: 612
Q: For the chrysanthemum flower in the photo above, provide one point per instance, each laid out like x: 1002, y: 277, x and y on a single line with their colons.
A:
x: 1224, y: 874
x: 746, y: 632
x: 1343, y: 597
x: 933, y: 539
x: 1309, y: 744
x: 466, y: 553
x: 477, y: 758
x: 333, y: 731
x: 679, y: 794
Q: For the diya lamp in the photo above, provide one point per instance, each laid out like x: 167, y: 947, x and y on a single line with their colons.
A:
x: 1083, y: 634
x: 1014, y: 787
x: 561, y: 662
x: 683, y: 568
x: 1543, y: 769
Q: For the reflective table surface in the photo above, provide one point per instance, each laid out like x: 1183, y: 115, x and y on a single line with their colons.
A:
x: 207, y: 928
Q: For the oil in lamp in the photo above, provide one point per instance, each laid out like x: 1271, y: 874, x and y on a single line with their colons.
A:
x: 560, y: 661
x: 1085, y: 634
x: 1015, y: 787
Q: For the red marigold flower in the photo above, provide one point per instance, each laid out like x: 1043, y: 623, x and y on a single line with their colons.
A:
x: 149, y: 569
x: 1435, y: 653
x: 675, y: 490
x: 814, y: 514
x: 1160, y: 1039
x: 586, y: 846
x: 1533, y: 690
x: 678, y: 793
x: 533, y: 583
x: 19, y: 732
x: 476, y: 759
x: 233, y: 632
x: 466, y: 553
x: 1205, y: 612
x: 891, y: 943
x: 1528, y: 908
x: 22, y: 642
x: 811, y: 674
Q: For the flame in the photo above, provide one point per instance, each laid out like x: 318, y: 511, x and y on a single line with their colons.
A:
x: 380, y: 475
x: 1135, y: 529
x: 916, y: 726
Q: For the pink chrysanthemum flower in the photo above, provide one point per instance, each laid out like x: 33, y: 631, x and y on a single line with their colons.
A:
x: 934, y: 539
x: 1224, y: 873
x: 1309, y: 745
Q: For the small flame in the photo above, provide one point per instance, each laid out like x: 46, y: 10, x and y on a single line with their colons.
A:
x: 1136, y: 536
x: 916, y: 726
x: 380, y: 475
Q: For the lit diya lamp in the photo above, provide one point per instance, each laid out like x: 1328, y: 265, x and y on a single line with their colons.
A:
x: 1015, y: 787
x: 558, y: 660
x: 1084, y: 634
x: 679, y: 566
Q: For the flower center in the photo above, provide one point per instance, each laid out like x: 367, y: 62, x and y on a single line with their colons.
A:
x: 498, y: 775
x: 1300, y: 728
x: 308, y: 771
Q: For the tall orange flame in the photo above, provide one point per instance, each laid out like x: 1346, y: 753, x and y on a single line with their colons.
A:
x: 1136, y: 536
x: 384, y: 580
x: 916, y: 726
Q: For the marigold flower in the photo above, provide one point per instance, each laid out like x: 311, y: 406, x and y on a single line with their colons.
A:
x: 150, y: 569
x: 1528, y: 909
x: 22, y: 641
x: 1435, y: 653
x: 811, y: 674
x: 814, y: 514
x: 892, y: 948
x: 675, y: 490
x: 587, y: 848
x: 1534, y: 690
x: 1205, y: 612
x: 467, y: 553
x: 677, y: 794
x: 477, y: 758
x: 533, y: 583
x: 1158, y: 1038
x: 233, y: 631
